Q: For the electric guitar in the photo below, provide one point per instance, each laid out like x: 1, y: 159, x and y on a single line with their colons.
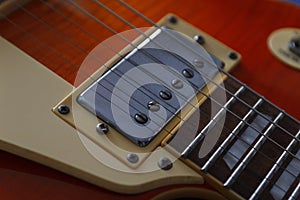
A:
x: 139, y: 100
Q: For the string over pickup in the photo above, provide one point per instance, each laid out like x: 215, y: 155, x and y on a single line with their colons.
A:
x: 159, y: 70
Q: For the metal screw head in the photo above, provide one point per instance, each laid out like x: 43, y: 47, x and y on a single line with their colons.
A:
x: 176, y: 83
x: 172, y: 19
x: 63, y: 109
x: 199, y: 39
x: 294, y: 46
x: 232, y: 55
x: 132, y: 157
x: 188, y: 73
x: 165, y: 94
x: 141, y: 118
x: 153, y: 106
x: 102, y: 128
x: 198, y: 63
x: 165, y: 163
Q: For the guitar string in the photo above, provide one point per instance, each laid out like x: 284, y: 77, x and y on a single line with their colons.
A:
x: 81, y: 28
x: 81, y: 48
x: 180, y: 118
x: 101, y: 23
x: 228, y: 74
x: 119, y: 17
x: 100, y: 62
x: 18, y: 27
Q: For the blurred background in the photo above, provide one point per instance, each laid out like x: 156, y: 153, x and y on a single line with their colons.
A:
x: 295, y: 1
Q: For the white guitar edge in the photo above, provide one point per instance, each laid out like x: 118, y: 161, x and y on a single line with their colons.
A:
x: 29, y: 129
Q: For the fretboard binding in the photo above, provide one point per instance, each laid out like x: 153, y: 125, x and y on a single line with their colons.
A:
x: 231, y: 136
x: 210, y: 124
x: 296, y: 193
x: 252, y: 152
x: 275, y: 167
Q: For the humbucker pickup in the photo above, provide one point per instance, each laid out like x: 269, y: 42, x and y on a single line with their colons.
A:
x: 149, y: 86
x: 143, y: 93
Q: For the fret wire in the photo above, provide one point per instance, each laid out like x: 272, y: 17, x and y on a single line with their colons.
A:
x: 252, y: 152
x: 122, y: 20
x: 132, y: 26
x: 87, y: 13
x: 119, y: 17
x: 274, y: 169
x: 109, y: 10
x: 210, y: 125
x: 228, y: 140
x: 228, y: 74
x: 198, y: 90
x: 253, y: 173
x: 295, y: 193
x: 218, y: 103
x: 43, y: 44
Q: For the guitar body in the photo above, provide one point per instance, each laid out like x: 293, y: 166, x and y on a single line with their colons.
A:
x: 242, y: 25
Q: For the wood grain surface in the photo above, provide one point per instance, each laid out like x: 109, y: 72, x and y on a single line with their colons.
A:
x: 49, y: 38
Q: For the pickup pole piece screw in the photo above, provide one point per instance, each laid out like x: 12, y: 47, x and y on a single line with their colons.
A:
x: 63, y: 109
x: 153, y: 106
x: 198, y: 63
x: 188, y: 73
x: 176, y: 83
x: 102, y: 128
x: 141, y: 118
x: 165, y: 94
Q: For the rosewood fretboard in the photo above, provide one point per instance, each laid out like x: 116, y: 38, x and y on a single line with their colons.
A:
x: 257, y: 153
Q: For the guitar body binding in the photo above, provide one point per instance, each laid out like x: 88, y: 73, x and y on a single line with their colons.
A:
x: 44, y: 138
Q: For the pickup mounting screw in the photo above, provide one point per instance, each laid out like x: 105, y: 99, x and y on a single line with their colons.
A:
x: 165, y: 163
x: 132, y: 157
x: 232, y: 55
x: 102, y: 128
x: 172, y: 19
x: 63, y: 109
x: 199, y: 39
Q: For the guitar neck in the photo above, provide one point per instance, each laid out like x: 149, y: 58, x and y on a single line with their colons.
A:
x: 258, y: 145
